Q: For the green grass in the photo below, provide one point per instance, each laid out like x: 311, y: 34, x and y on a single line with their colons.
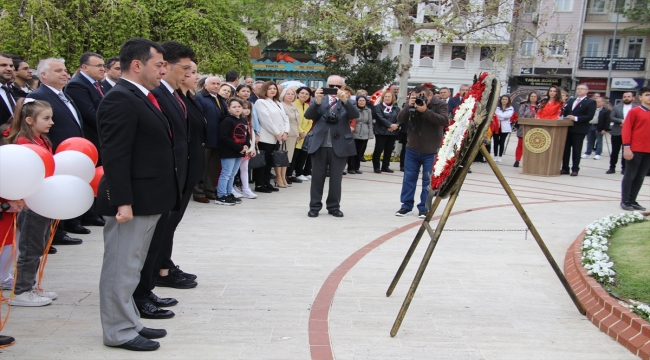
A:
x: 630, y: 252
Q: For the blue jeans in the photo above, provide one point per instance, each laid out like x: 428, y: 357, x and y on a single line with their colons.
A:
x: 412, y: 165
x: 592, y: 135
x: 229, y: 168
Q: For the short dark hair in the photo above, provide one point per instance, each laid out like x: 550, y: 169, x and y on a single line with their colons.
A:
x: 7, y: 55
x: 444, y: 88
x: 231, y: 75
x: 17, y: 62
x: 175, y: 51
x: 86, y: 56
x: 137, y: 49
x: 419, y: 89
x: 643, y: 90
x: 110, y: 62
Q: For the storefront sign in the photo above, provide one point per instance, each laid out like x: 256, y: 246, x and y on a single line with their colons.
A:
x: 538, y: 81
x: 627, y: 83
x: 268, y: 66
x: 602, y: 63
x: 310, y: 67
x: 594, y: 84
x: 553, y: 71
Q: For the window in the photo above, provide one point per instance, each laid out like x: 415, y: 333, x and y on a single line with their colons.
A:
x: 564, y: 5
x: 616, y: 48
x: 557, y: 44
x: 413, y: 11
x: 491, y: 8
x: 487, y: 53
x: 634, y: 47
x: 458, y: 52
x: 598, y: 7
x: 530, y: 6
x: 592, y: 46
x: 427, y: 51
x: 410, y: 50
x: 527, y: 46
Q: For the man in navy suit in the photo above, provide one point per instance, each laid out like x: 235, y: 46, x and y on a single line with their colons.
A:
x: 455, y: 101
x: 7, y: 100
x: 581, y: 110
x: 67, y: 123
x: 113, y: 71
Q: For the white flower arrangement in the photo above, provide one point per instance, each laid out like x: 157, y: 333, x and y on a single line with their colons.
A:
x: 455, y: 135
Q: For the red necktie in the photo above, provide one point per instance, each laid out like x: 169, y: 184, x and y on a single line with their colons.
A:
x: 181, y: 103
x: 99, y: 88
x: 153, y: 100
x: 332, y: 103
x: 575, y: 104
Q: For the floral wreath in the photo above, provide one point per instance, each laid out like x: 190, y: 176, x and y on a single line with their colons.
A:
x: 456, y: 133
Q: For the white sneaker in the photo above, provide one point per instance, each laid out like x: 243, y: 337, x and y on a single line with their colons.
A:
x: 8, y: 283
x: 498, y: 159
x: 248, y: 194
x: 48, y: 294
x: 584, y: 156
x: 302, y: 178
x: 597, y: 157
x: 30, y: 298
x: 236, y: 193
x: 308, y: 177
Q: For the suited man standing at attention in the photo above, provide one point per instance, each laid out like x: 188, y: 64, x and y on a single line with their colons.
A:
x: 7, y: 100
x: 331, y: 144
x: 67, y: 123
x: 139, y: 185
x: 617, y: 118
x: 581, y: 110
x: 112, y: 71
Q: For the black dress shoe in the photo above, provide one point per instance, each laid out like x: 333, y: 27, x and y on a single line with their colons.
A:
x: 312, y: 213
x: 151, y: 311
x: 52, y: 250
x: 77, y: 229
x: 185, y: 275
x: 272, y: 188
x: 164, y: 302
x: 66, y: 240
x: 139, y: 343
x: 378, y: 171
x: 176, y: 281
x: 358, y: 172
x: 97, y: 221
x: 564, y: 172
x: 294, y: 179
x: 516, y: 164
x: 387, y: 170
x: 352, y: 172
x: 6, y: 340
x: 344, y: 173
x: 152, y: 333
x: 335, y: 213
x: 610, y: 171
x: 574, y: 173
x: 262, y: 189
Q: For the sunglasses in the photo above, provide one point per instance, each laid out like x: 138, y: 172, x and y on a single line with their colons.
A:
x: 331, y: 86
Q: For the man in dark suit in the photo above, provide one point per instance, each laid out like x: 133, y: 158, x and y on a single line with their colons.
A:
x: 23, y: 74
x: 178, y: 67
x: 113, y: 72
x: 617, y: 118
x: 67, y: 123
x: 7, y: 100
x: 581, y: 110
x: 139, y: 185
x: 455, y: 101
x: 331, y: 144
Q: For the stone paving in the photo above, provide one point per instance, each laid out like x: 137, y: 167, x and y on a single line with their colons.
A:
x: 260, y: 264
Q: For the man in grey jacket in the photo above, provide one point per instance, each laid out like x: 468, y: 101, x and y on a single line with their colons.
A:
x: 617, y: 118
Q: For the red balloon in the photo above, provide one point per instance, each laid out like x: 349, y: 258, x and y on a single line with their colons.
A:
x: 79, y: 144
x: 94, y: 183
x: 46, y: 156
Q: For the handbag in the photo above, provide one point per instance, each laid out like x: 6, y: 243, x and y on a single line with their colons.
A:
x: 307, y: 141
x: 281, y: 156
x: 258, y: 160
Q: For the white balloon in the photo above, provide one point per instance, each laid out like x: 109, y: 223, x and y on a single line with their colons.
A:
x: 21, y: 171
x: 74, y: 163
x: 61, y: 197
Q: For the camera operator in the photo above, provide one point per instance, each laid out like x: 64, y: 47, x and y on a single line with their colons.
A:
x: 331, y: 143
x: 425, y: 118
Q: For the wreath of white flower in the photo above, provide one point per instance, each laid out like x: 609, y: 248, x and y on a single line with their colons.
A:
x: 455, y: 135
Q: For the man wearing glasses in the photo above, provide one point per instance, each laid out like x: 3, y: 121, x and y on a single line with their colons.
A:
x: 22, y: 74
x: 331, y: 144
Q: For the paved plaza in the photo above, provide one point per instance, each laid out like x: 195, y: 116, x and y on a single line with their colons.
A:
x: 486, y: 294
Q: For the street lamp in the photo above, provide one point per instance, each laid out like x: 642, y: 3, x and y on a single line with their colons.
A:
x: 611, y: 55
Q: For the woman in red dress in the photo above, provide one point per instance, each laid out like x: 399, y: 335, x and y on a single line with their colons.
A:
x: 551, y: 106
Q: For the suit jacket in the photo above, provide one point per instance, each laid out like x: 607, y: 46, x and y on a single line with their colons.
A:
x: 5, y: 113
x: 197, y: 128
x: 454, y: 103
x: 18, y: 92
x: 603, y: 119
x: 65, y: 125
x: 87, y: 99
x: 213, y: 115
x: 107, y: 86
x: 138, y: 154
x: 174, y: 113
x: 342, y: 137
x: 584, y: 111
x: 617, y: 118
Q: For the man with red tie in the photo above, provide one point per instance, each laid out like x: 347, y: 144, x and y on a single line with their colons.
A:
x: 139, y: 185
x: 581, y: 110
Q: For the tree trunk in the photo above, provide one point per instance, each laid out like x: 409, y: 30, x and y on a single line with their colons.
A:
x: 404, y: 65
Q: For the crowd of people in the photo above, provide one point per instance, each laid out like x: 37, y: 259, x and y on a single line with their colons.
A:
x: 166, y: 136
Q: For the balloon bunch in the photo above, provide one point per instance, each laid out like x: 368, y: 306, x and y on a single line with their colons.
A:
x: 60, y: 186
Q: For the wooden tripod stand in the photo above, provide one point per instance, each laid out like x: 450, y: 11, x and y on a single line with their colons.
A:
x: 435, y: 235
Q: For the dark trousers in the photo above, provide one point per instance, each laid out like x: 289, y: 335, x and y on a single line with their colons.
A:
x: 499, y: 143
x: 617, y: 144
x: 323, y: 159
x: 212, y: 171
x: 479, y: 157
x: 354, y: 161
x: 383, y: 144
x: 34, y: 232
x: 403, y: 139
x: 299, y: 162
x: 573, y: 143
x: 635, y: 171
x: 262, y: 175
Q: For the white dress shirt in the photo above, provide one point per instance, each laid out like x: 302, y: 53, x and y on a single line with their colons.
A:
x: 68, y: 103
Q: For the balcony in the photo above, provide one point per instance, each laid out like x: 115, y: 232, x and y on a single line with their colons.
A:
x: 602, y: 11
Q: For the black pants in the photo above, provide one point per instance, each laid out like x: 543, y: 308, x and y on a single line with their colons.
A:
x: 479, y: 157
x: 499, y: 143
x: 635, y: 171
x: 383, y: 144
x: 403, y: 139
x: 301, y: 162
x: 262, y: 175
x: 323, y: 159
x: 573, y: 142
x: 165, y: 256
x: 617, y: 144
x: 354, y: 161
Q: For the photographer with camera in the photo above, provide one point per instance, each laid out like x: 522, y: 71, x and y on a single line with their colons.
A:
x: 425, y: 118
x: 331, y: 143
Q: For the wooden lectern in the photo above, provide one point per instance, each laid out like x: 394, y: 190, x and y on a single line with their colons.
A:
x: 544, y: 145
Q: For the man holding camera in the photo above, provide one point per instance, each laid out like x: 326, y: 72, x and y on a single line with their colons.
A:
x: 331, y: 143
x: 425, y: 118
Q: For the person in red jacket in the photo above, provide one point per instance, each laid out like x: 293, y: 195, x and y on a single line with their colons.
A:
x: 636, y: 151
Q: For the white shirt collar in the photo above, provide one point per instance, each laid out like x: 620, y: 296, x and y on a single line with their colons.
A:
x: 142, y: 88
x: 169, y: 87
x: 91, y: 80
x: 53, y: 89
x: 110, y: 81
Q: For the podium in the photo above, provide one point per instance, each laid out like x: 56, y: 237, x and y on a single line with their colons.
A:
x: 544, y: 145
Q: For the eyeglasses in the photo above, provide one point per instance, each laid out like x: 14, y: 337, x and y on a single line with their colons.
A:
x: 187, y: 68
x: 96, y: 65
x: 331, y: 86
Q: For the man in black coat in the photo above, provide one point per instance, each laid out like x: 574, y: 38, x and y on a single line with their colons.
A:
x: 178, y: 67
x: 139, y: 185
x: 581, y: 110
x: 331, y: 144
x: 113, y: 72
x: 456, y: 101
x: 7, y: 100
